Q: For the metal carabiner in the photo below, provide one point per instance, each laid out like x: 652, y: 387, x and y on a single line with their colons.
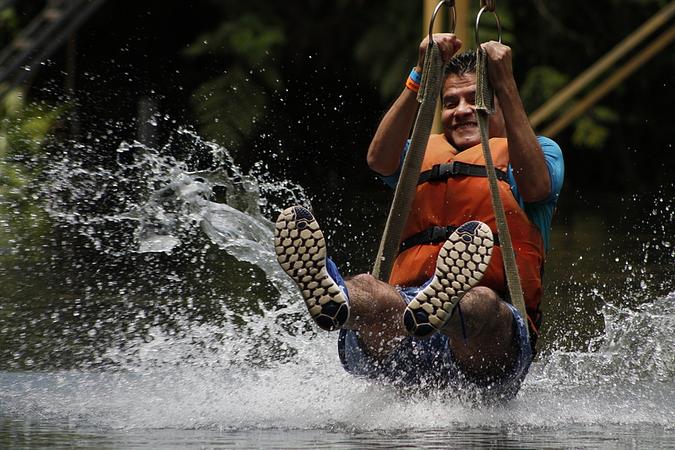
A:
x: 450, y: 4
x: 499, y: 25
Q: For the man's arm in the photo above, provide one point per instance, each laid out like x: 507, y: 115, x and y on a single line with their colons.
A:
x: 525, y: 154
x: 384, y: 152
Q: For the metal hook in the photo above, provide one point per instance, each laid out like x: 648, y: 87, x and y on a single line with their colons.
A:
x: 499, y: 25
x: 450, y: 4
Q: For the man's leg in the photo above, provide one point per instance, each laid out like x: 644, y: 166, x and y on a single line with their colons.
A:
x: 478, y: 323
x: 364, y: 304
x: 481, y: 335
x: 376, y: 309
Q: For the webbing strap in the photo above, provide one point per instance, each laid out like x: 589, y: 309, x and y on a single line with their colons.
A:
x: 432, y: 235
x: 485, y: 107
x: 444, y: 171
x: 430, y: 88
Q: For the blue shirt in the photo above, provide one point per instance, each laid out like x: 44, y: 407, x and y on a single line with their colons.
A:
x: 540, y: 213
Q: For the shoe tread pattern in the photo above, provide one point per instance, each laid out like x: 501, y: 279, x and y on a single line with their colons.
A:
x: 301, y: 251
x: 460, y: 265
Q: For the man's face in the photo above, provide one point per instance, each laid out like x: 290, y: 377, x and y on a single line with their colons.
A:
x: 460, y: 123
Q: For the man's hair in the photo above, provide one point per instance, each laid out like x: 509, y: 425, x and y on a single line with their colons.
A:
x: 461, y: 64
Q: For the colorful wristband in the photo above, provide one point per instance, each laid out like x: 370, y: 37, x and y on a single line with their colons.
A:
x: 416, y: 77
x: 413, y: 81
x: 410, y: 84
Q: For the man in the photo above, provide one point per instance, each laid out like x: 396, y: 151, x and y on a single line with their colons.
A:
x: 477, y: 337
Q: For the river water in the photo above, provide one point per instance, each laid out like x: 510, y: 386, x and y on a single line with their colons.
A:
x: 142, y: 307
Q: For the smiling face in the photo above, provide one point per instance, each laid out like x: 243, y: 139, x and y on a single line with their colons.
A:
x: 460, y: 123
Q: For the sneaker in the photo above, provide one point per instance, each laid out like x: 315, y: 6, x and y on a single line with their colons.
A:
x: 461, y: 263
x: 301, y: 252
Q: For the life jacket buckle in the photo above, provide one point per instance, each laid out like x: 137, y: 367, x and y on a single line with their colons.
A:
x: 435, y: 172
x: 439, y: 234
x: 453, y: 168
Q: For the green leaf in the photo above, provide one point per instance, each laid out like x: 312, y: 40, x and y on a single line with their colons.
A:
x: 591, y: 130
x: 541, y: 83
x: 228, y: 107
x: 247, y: 38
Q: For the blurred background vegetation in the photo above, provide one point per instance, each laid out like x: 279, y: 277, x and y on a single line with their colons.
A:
x: 292, y: 82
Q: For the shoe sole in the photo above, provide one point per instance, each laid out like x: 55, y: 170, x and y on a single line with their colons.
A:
x: 460, y: 265
x: 301, y: 251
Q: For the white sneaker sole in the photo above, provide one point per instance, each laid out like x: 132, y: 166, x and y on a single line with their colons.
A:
x: 301, y: 252
x: 461, y: 263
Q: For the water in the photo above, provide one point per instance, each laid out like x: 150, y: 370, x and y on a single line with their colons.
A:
x: 143, y: 308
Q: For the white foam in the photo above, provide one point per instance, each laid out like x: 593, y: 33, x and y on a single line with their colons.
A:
x: 166, y: 384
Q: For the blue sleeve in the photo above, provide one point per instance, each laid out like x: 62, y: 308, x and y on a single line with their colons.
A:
x: 555, y: 164
x: 541, y: 213
x: 392, y: 180
x: 556, y: 170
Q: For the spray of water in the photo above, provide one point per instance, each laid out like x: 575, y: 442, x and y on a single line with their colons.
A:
x: 231, y: 348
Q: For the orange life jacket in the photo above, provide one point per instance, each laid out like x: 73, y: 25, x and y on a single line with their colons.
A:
x: 460, y: 199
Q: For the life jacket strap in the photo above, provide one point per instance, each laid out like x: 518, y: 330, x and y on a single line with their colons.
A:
x: 432, y: 235
x: 444, y: 171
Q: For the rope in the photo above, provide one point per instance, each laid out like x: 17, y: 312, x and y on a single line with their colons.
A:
x: 430, y: 88
x: 485, y: 107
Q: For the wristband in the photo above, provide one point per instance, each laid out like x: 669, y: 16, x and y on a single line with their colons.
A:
x: 416, y: 77
x: 413, y: 81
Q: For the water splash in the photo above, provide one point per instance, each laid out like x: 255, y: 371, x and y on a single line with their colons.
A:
x: 166, y: 384
x: 196, y: 341
x: 165, y: 197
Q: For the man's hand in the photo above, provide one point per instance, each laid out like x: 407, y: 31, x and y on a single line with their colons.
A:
x: 500, y: 69
x: 448, y: 44
x: 384, y: 152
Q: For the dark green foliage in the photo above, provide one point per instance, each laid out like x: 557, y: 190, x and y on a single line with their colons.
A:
x: 542, y: 83
x: 25, y: 126
x: 592, y: 129
x: 387, y: 50
x: 278, y: 81
x: 229, y: 104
